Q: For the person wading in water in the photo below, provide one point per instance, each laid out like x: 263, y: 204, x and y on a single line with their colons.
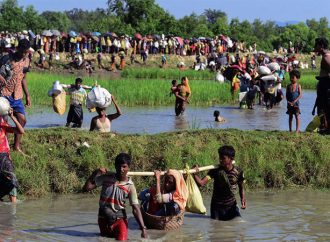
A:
x: 323, y: 87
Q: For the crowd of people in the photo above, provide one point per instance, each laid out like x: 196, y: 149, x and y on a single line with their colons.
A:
x: 255, y: 74
x: 210, y: 52
x: 261, y: 76
x: 95, y: 42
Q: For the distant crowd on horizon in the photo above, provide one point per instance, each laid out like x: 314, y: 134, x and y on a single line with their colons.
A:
x: 52, y: 41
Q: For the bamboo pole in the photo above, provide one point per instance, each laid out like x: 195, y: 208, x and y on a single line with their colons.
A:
x: 151, y: 173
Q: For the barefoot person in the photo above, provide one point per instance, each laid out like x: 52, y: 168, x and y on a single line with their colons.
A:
x: 116, y: 188
x: 13, y: 84
x: 102, y: 122
x: 293, y: 95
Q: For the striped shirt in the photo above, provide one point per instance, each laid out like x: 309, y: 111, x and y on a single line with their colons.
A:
x: 78, y: 96
x: 225, y: 186
x: 114, y: 193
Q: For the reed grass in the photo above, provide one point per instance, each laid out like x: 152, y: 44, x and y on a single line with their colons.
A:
x: 151, y: 92
x: 58, y: 162
x: 166, y: 73
x: 131, y: 92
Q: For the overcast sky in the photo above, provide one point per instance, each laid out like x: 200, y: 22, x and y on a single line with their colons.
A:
x: 278, y: 10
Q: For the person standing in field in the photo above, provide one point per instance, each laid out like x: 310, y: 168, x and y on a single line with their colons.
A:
x: 13, y: 84
x: 323, y: 86
x: 226, y: 180
x: 122, y: 59
x: 293, y: 94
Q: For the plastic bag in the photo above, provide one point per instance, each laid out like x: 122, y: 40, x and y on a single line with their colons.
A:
x: 4, y: 106
x: 219, y: 77
x: 314, y: 124
x: 59, y: 103
x: 98, y: 97
x: 56, y: 89
x: 195, y: 201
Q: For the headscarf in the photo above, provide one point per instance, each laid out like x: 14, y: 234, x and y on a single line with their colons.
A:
x: 180, y: 195
x: 186, y: 86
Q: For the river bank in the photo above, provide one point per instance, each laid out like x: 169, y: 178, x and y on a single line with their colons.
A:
x: 57, y: 160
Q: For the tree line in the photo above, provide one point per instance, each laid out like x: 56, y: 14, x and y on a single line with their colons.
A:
x: 146, y: 17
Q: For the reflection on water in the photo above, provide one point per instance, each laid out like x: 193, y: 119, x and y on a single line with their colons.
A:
x: 181, y: 122
x: 162, y: 119
x: 270, y: 216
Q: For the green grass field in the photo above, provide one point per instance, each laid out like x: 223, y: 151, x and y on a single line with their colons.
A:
x: 132, y: 92
x: 57, y: 161
x: 307, y: 79
x: 169, y: 74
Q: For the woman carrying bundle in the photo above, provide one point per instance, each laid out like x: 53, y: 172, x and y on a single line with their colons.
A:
x: 102, y: 122
x: 182, y: 95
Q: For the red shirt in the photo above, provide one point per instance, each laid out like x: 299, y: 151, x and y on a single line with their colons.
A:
x: 4, y: 145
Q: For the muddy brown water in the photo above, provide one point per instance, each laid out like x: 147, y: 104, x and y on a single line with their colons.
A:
x: 153, y: 120
x: 302, y: 215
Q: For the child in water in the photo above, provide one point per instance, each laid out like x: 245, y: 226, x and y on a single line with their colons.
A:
x: 217, y: 117
x: 116, y: 188
x: 174, y: 87
x: 226, y: 180
x: 169, y: 199
x: 293, y: 94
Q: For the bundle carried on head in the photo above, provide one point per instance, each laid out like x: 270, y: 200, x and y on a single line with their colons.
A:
x: 4, y: 106
x: 98, y: 98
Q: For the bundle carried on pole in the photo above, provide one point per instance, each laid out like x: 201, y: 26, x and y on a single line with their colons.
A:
x: 195, y: 204
x: 151, y: 173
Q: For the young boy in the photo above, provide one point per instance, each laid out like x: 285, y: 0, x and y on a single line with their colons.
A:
x: 226, y: 180
x: 174, y: 87
x: 116, y: 188
x: 8, y: 182
x: 217, y: 117
x: 293, y: 94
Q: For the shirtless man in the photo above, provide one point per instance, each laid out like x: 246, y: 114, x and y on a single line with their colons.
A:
x: 323, y: 87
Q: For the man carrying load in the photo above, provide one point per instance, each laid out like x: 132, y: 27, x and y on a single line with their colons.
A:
x: 77, y: 99
x: 117, y: 187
